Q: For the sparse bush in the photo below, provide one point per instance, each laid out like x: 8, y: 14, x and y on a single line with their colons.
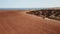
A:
x: 47, y: 13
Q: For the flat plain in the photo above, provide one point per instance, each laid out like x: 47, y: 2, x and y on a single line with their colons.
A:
x: 18, y: 22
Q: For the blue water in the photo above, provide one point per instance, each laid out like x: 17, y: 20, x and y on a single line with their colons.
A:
x: 21, y: 8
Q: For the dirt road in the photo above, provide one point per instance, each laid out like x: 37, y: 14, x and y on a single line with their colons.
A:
x: 18, y: 22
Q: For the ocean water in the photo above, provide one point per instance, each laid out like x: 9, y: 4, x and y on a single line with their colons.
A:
x: 17, y: 8
x: 21, y: 8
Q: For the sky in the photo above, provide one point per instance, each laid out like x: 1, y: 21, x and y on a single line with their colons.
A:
x: 29, y: 3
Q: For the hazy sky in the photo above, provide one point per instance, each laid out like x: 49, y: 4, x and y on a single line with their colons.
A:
x: 29, y: 3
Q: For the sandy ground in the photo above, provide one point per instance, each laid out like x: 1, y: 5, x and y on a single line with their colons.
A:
x: 18, y: 22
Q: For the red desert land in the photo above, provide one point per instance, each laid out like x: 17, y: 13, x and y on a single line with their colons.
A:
x: 18, y: 22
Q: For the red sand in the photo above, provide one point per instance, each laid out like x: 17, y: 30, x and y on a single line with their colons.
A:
x: 18, y: 22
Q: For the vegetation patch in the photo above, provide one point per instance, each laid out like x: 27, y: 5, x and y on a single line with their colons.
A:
x: 51, y: 14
